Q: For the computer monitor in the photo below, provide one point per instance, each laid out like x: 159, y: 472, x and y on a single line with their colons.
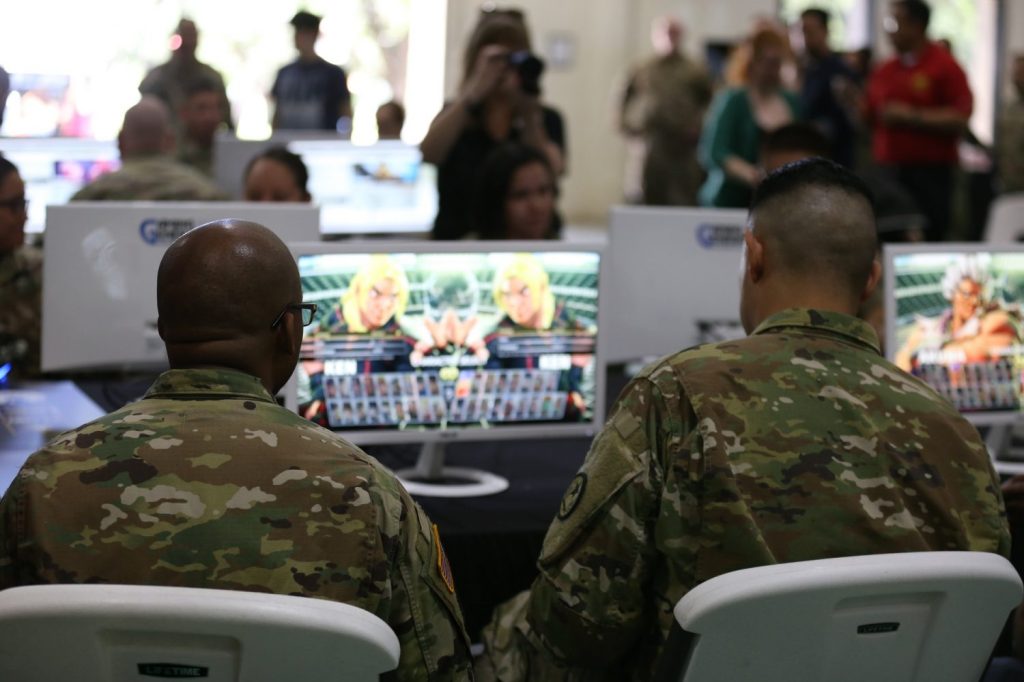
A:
x: 55, y: 168
x: 673, y: 279
x: 954, y: 319
x: 231, y: 155
x: 434, y: 342
x: 384, y: 188
x: 99, y: 274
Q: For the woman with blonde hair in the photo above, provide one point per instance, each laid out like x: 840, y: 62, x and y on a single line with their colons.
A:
x: 739, y: 116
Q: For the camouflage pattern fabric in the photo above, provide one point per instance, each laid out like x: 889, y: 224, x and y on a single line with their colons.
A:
x: 206, y: 482
x: 21, y: 305
x: 664, y: 103
x: 170, y: 82
x: 799, y: 442
x: 151, y: 178
x: 1010, y: 147
x: 196, y: 156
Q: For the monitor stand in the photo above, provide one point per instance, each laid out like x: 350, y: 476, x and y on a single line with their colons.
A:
x: 431, y: 478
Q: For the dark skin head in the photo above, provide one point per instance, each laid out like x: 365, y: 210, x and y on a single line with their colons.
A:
x: 219, y: 289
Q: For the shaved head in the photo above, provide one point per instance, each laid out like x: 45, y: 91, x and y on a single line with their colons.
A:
x: 146, y: 129
x: 814, y: 239
x: 219, y: 289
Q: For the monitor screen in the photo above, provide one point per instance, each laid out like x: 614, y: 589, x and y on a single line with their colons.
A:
x: 430, y: 340
x: 99, y: 274
x: 674, y: 279
x: 369, y: 189
x: 953, y: 319
x: 55, y: 168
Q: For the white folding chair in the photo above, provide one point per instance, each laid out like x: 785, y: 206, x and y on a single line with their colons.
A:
x: 116, y: 633
x: 1006, y: 220
x: 911, y: 617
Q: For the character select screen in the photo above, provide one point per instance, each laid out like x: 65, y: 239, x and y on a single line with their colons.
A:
x: 958, y: 326
x: 452, y: 340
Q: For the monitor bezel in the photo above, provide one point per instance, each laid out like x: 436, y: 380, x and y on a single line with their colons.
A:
x: 889, y: 254
x: 469, y: 434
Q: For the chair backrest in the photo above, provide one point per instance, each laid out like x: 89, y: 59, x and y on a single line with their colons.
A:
x: 115, y: 633
x: 1006, y: 220
x: 911, y: 617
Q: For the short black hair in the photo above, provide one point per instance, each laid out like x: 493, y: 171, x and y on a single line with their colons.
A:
x: 200, y: 84
x: 290, y: 160
x: 917, y: 10
x: 812, y: 172
x: 305, y: 21
x: 818, y: 13
x: 6, y: 167
x: 493, y: 184
x: 796, y: 137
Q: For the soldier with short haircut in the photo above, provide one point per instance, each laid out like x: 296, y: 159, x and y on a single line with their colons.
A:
x: 207, y: 482
x: 799, y: 442
x: 149, y: 171
x: 21, y: 280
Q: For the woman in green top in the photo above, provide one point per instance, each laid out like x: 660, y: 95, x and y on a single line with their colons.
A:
x: 729, y: 144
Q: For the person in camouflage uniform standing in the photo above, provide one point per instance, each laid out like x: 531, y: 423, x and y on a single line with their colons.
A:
x: 21, y: 278
x: 149, y: 171
x: 662, y: 111
x: 207, y: 482
x: 799, y: 442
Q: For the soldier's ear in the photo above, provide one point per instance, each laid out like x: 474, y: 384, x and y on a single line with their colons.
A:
x: 874, y: 279
x: 753, y: 257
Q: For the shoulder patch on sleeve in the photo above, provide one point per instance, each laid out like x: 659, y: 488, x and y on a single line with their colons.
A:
x: 444, y: 569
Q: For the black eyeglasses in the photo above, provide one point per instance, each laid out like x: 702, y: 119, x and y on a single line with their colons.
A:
x: 308, y: 310
x: 15, y: 204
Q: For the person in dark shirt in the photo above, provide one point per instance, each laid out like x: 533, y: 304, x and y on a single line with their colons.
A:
x: 828, y: 85
x: 310, y: 93
x: 495, y: 104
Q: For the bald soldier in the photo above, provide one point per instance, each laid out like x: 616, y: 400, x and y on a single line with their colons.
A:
x: 798, y: 442
x: 206, y: 482
x: 149, y: 171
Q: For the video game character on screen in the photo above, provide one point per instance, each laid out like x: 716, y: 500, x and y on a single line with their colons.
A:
x: 529, y: 332
x: 361, y: 324
x: 446, y: 340
x: 966, y: 344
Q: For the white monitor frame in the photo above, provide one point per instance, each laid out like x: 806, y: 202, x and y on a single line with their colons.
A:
x: 470, y: 433
x: 99, y: 273
x: 890, y: 252
x: 663, y: 264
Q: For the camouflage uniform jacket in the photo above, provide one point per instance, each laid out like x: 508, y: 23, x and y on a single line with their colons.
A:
x: 21, y: 304
x: 151, y: 178
x: 799, y: 442
x: 1010, y: 147
x: 206, y: 482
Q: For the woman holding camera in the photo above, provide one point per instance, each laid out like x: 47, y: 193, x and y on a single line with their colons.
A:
x: 499, y: 101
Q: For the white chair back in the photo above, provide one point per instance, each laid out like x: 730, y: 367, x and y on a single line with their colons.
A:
x: 911, y: 617
x: 117, y: 633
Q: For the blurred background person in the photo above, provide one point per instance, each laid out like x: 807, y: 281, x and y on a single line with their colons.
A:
x: 149, y: 171
x: 499, y: 101
x: 276, y: 174
x: 5, y: 89
x: 311, y: 93
x: 739, y: 116
x: 517, y: 194
x: 390, y: 119
x: 661, y: 113
x: 169, y: 81
x: 829, y: 94
x: 21, y: 280
x: 201, y: 114
x: 918, y: 104
x: 1010, y: 142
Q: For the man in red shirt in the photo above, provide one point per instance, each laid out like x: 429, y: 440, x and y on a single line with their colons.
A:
x: 919, y: 103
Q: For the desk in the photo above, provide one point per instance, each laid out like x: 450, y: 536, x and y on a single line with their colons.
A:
x: 34, y: 412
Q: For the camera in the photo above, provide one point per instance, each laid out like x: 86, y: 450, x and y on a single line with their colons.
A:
x: 529, y: 67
